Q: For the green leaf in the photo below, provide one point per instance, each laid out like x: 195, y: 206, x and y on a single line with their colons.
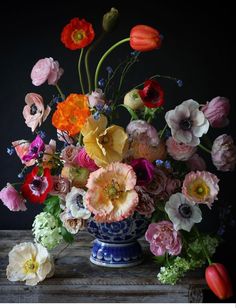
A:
x: 160, y: 259
x: 131, y: 112
x: 67, y: 236
x: 52, y: 206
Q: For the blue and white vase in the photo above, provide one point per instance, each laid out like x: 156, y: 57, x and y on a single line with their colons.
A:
x: 116, y: 243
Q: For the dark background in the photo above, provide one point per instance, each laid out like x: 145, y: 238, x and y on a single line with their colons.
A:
x: 198, y: 47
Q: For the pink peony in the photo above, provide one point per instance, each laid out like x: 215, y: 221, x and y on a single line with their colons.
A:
x: 201, y: 187
x: 96, y: 99
x: 216, y: 111
x: 179, y: 151
x: 83, y: 160
x: 61, y: 186
x: 163, y: 238
x: 146, y: 202
x: 34, y: 112
x: 46, y: 70
x: 12, y: 199
x: 196, y: 162
x: 223, y: 153
x: 69, y: 153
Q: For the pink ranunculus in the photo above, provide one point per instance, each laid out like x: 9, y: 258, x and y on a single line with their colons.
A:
x: 12, y: 199
x: 163, y: 238
x: 64, y: 137
x: 223, y: 153
x: 216, y: 111
x: 196, y: 162
x: 96, y: 98
x: 83, y: 160
x: 46, y: 70
x: 145, y: 202
x: 61, y: 186
x: 69, y: 153
x: 34, y: 112
x: 179, y: 151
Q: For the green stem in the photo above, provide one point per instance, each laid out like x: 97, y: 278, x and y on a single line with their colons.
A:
x: 203, y: 246
x: 104, y: 57
x: 162, y: 132
x: 17, y: 183
x: 79, y: 70
x: 204, y: 148
x: 154, y: 76
x: 80, y: 139
x: 60, y: 91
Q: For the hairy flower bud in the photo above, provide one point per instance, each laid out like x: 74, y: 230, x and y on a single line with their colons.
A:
x: 110, y: 20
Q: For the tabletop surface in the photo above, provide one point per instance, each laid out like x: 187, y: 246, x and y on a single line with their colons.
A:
x: 76, y: 279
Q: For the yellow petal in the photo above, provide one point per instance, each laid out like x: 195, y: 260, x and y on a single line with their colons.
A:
x: 91, y: 125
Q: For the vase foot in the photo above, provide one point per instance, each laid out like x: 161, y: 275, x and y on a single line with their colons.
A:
x: 116, y: 254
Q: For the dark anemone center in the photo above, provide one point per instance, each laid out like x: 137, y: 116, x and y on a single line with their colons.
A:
x: 152, y: 94
x: 34, y: 150
x: 33, y: 109
x: 185, y: 124
x: 36, y: 184
x: 79, y: 201
x: 185, y: 210
x: 141, y: 173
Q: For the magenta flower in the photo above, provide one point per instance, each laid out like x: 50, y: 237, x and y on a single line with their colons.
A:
x: 83, y: 160
x: 12, y: 199
x: 144, y: 171
x: 163, y: 238
x: 216, y: 111
x: 46, y: 70
x: 223, y: 153
x: 35, y: 149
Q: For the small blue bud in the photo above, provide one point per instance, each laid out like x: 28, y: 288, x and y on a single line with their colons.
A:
x: 101, y: 83
x: 20, y: 175
x: 179, y: 82
x: 167, y: 165
x: 99, y: 107
x: 96, y: 115
x: 107, y: 109
x: 41, y: 134
x: 10, y: 150
x: 159, y: 162
x: 109, y: 70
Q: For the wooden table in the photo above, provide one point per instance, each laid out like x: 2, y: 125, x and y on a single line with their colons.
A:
x: 77, y: 280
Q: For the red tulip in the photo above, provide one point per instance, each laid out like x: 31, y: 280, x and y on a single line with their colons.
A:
x: 218, y: 280
x: 144, y: 38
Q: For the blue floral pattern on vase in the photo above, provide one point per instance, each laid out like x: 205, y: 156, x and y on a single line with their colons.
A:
x: 116, y: 243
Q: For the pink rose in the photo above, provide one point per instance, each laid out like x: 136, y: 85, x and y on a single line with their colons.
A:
x: 216, y: 111
x: 196, y: 162
x: 83, y: 160
x: 146, y: 202
x: 34, y: 112
x: 61, y: 186
x: 69, y: 153
x: 46, y: 70
x: 223, y: 153
x: 96, y: 98
x: 12, y: 199
x: 179, y: 151
x: 163, y: 238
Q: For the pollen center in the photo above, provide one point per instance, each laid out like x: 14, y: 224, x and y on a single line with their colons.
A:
x: 77, y: 36
x: 31, y: 266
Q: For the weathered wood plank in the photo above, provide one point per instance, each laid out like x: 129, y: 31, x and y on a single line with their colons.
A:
x: 78, y: 280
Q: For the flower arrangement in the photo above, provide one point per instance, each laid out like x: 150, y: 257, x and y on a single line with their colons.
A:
x: 100, y: 170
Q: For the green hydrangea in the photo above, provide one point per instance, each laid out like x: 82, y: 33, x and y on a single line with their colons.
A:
x: 46, y: 230
x: 208, y: 241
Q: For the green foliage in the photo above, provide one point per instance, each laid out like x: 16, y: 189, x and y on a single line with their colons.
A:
x: 67, y: 236
x: 52, y: 206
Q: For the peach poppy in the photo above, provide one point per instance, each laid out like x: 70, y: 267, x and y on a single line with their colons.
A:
x: 111, y: 195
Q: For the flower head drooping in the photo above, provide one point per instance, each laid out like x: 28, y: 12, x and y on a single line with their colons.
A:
x: 75, y: 203
x: 187, y: 123
x: 71, y: 114
x: 201, y: 187
x: 12, y: 199
x: 29, y: 262
x: 37, y: 185
x: 77, y: 34
x: 34, y: 112
x: 152, y: 94
x: 179, y: 151
x: 22, y: 148
x: 223, y: 153
x: 46, y: 230
x: 144, y: 171
x: 216, y: 111
x: 36, y: 147
x: 111, y: 195
x: 163, y: 238
x: 46, y: 70
x: 182, y: 212
x: 144, y: 38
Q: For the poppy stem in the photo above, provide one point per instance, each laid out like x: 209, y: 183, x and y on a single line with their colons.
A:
x: 104, y: 57
x: 60, y: 91
x: 164, y: 129
x: 79, y: 70
x: 204, y: 148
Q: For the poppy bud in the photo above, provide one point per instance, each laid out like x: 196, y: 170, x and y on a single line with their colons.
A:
x: 218, y: 280
x: 144, y: 38
x: 110, y: 20
x: 133, y: 100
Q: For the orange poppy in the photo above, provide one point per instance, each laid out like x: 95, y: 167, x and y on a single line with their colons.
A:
x: 77, y: 34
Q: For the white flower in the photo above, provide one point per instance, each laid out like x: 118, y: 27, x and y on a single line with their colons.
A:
x: 29, y: 262
x: 72, y: 224
x: 182, y: 212
x: 187, y: 123
x: 76, y: 205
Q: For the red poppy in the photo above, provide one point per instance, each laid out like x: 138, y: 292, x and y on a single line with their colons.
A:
x: 144, y: 38
x: 77, y: 34
x: 37, y: 185
x: 152, y: 94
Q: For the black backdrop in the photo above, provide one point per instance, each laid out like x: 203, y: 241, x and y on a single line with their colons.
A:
x: 198, y: 47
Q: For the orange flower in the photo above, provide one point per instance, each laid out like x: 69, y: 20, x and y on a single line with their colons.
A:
x: 71, y: 114
x: 77, y: 34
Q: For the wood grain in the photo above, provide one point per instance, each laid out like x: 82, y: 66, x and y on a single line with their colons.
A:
x: 78, y: 280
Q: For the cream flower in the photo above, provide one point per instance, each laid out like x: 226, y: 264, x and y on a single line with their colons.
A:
x: 104, y: 145
x: 111, y: 195
x: 72, y: 224
x: 29, y: 262
x: 76, y: 205
x: 187, y: 123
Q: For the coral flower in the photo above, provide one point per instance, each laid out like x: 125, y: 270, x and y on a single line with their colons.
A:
x: 201, y: 187
x: 103, y: 145
x: 77, y: 34
x: 152, y: 94
x: 71, y: 114
x: 111, y: 195
x: 144, y: 38
x: 22, y: 148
